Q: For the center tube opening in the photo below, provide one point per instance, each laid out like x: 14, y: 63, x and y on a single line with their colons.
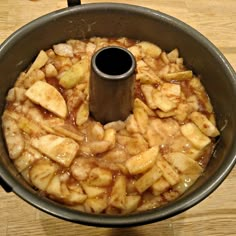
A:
x: 111, y: 84
x: 113, y: 61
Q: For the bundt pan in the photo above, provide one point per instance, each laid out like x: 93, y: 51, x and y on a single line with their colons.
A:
x: 115, y: 20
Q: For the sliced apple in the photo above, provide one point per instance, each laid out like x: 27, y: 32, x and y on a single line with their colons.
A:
x: 39, y: 62
x: 178, y: 76
x: 183, y: 163
x: 76, y: 74
x: 96, y: 205
x: 93, y: 191
x: 59, y: 149
x: 118, y: 193
x: 42, y: 172
x: 150, y: 49
x: 194, y: 135
x: 131, y: 204
x: 48, y: 97
x: 143, y: 161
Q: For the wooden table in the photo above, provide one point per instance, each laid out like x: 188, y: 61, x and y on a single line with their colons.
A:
x: 214, y: 216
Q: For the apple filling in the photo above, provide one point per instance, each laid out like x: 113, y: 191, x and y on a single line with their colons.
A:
x: 137, y: 164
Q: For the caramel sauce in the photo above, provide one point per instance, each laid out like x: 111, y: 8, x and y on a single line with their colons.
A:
x: 55, y: 83
x: 186, y: 89
x: 138, y: 92
x: 206, y: 155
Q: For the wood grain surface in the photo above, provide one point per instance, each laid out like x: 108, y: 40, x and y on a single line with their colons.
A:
x: 214, y: 216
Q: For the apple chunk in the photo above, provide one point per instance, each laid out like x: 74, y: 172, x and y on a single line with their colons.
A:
x: 48, y: 97
x: 59, y: 149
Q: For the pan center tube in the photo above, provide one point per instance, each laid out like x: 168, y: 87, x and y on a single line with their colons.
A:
x: 111, y: 84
